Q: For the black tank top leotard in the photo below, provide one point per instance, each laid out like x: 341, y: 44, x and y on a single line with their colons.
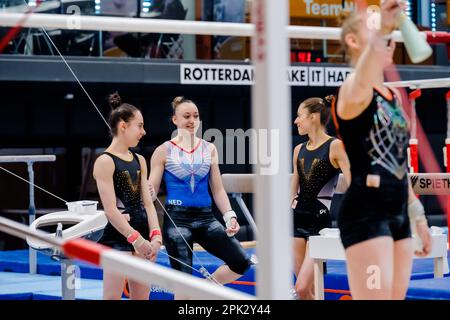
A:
x: 317, y: 176
x: 127, y: 187
x: 376, y: 142
x: 317, y: 179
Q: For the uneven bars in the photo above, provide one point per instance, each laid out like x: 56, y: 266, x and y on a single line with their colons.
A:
x: 422, y: 183
x: 32, y: 158
x: 421, y: 84
x: 123, y: 24
x: 133, y: 268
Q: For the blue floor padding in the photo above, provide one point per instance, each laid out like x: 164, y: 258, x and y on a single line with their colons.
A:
x: 37, y: 287
x: 17, y: 261
x: 429, y: 289
x: 23, y: 286
x: 422, y: 286
x: 423, y: 269
x: 17, y: 296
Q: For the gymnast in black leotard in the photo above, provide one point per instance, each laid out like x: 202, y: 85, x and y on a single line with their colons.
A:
x: 377, y: 209
x: 317, y: 164
x: 122, y: 175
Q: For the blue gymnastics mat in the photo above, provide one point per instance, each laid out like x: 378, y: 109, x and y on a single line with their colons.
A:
x: 15, y: 283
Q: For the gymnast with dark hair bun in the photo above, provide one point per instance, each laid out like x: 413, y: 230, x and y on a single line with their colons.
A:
x: 121, y: 174
x: 317, y: 164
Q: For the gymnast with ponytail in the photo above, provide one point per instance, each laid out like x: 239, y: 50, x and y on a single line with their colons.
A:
x: 317, y: 164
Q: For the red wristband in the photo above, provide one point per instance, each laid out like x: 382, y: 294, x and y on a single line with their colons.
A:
x: 154, y: 232
x: 132, y: 238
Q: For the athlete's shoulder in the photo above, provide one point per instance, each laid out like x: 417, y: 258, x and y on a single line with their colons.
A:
x: 163, y: 147
x: 140, y: 157
x: 105, y: 158
x: 208, y: 144
x: 336, y: 143
x: 103, y: 165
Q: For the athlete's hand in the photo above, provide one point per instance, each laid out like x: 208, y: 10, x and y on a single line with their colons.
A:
x: 233, y: 227
x: 423, y: 232
x: 145, y: 249
x: 389, y: 12
x: 156, y: 245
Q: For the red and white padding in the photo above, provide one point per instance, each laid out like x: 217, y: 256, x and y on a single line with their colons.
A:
x: 147, y: 272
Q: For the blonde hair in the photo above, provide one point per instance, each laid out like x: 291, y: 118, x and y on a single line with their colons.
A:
x: 177, y: 101
x: 350, y: 23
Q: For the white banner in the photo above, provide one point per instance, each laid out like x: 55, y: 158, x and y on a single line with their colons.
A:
x: 216, y: 74
x: 230, y: 74
x: 334, y: 77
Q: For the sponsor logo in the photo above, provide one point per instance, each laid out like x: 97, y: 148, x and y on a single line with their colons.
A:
x: 434, y: 183
x: 414, y: 180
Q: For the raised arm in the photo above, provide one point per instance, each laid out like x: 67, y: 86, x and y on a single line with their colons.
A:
x: 356, y: 92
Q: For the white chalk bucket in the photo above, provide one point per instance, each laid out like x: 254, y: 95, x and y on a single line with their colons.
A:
x: 82, y: 206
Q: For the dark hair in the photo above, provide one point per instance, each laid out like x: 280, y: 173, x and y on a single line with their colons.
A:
x: 319, y: 105
x: 177, y: 101
x: 119, y: 111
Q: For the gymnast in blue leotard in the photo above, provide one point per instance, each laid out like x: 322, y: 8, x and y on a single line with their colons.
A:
x: 187, y: 174
x: 188, y: 166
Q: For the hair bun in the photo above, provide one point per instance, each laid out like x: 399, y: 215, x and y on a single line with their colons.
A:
x: 328, y: 100
x: 176, y: 101
x: 114, y: 100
